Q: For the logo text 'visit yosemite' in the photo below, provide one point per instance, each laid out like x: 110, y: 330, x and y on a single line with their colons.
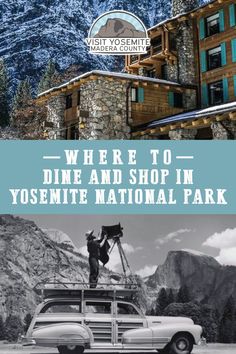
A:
x: 118, y: 33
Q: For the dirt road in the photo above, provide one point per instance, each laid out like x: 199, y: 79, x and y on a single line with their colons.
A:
x: 208, y: 349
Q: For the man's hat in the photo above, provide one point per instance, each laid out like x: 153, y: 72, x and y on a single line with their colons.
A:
x: 89, y: 234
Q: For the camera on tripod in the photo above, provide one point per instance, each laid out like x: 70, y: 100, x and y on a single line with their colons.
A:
x: 113, y: 232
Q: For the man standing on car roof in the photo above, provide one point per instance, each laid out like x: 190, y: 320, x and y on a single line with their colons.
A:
x: 93, y: 246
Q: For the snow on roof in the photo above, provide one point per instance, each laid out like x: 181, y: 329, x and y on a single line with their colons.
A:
x: 185, y: 116
x: 110, y: 74
x: 179, y: 15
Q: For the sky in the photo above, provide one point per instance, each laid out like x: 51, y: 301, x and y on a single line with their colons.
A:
x: 148, y: 238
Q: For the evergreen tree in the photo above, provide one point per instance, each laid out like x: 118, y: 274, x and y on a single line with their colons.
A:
x: 23, y: 95
x: 27, y: 321
x: 2, y: 329
x: 4, y: 107
x: 13, y: 328
x: 49, y: 77
x: 170, y: 298
x: 183, y: 295
x: 227, y: 323
x: 162, y: 299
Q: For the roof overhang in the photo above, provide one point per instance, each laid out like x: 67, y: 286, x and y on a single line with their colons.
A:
x: 96, y: 74
x: 184, y: 16
x: 188, y: 120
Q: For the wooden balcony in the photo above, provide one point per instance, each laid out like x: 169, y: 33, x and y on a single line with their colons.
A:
x: 153, y: 53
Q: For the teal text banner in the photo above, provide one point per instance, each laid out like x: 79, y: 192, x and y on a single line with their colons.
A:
x: 118, y: 177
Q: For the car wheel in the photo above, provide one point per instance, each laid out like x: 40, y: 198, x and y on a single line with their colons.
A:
x: 181, y: 344
x: 70, y: 349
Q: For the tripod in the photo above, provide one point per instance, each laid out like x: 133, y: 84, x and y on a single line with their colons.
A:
x: 123, y: 258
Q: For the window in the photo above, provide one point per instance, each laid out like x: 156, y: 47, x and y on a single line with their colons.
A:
x: 178, y: 100
x: 59, y: 307
x: 68, y: 101
x: 98, y: 307
x: 151, y: 73
x: 213, y: 24
x: 164, y: 72
x: 214, y: 58
x: 134, y: 94
x: 126, y: 309
x: 78, y: 98
x: 74, y: 133
x: 173, y: 44
x: 156, y: 43
x: 216, y: 93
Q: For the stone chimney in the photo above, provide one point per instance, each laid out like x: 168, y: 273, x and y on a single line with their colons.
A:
x: 184, y: 71
x: 181, y: 6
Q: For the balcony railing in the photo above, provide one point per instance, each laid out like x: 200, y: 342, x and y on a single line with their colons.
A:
x: 157, y: 49
x: 153, y: 50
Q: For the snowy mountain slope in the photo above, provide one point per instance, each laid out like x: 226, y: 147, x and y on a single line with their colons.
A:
x: 33, y: 31
x: 61, y: 238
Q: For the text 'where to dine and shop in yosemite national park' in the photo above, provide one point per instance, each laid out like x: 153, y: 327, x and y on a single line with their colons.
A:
x: 112, y: 178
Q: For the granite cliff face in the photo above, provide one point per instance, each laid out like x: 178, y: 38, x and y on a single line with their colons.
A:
x: 34, y: 31
x: 117, y: 28
x: 207, y: 281
x: 28, y: 256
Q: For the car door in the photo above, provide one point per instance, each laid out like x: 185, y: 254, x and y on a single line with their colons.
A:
x: 127, y: 317
x: 99, y: 318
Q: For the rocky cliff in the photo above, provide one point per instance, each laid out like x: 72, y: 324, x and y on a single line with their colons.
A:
x: 34, y: 31
x: 28, y: 256
x: 207, y: 281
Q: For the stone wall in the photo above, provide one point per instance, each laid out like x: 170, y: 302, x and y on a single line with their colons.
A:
x: 55, y: 117
x: 185, y: 49
x: 181, y: 6
x: 183, y: 134
x: 103, y: 110
x: 190, y: 99
x: 224, y: 130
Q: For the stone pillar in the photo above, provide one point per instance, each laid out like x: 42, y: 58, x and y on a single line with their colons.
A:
x: 224, y: 130
x: 182, y: 6
x: 172, y: 72
x: 186, y: 53
x: 183, y: 134
x: 103, y: 110
x: 183, y: 71
x: 190, y: 99
x: 55, y: 117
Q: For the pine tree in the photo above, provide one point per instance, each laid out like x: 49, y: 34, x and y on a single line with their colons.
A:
x: 183, y: 295
x: 227, y: 323
x: 2, y: 329
x: 23, y: 95
x: 4, y: 106
x: 49, y: 77
x: 170, y: 298
x: 13, y: 328
x: 162, y: 299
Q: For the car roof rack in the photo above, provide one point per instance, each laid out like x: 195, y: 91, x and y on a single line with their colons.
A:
x: 83, y: 290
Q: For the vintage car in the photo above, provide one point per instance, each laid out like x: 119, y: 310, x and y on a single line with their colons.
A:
x: 73, y: 320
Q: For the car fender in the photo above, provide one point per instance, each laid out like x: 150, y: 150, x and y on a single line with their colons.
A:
x: 160, y: 335
x: 63, y: 334
x: 170, y: 330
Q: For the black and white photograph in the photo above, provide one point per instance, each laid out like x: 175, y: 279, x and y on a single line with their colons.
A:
x: 125, y: 283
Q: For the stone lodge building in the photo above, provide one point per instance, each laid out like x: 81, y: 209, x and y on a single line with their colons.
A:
x: 183, y: 88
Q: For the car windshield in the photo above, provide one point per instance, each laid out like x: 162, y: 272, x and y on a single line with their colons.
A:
x: 98, y: 307
x: 62, y: 306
